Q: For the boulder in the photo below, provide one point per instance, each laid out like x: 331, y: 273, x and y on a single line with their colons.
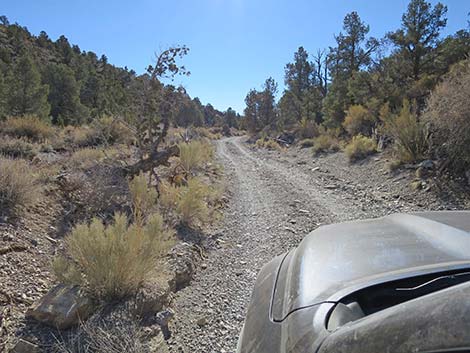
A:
x: 62, y: 307
x: 427, y: 164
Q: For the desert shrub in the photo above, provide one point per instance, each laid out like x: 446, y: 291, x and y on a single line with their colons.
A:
x: 307, y: 129
x: 17, y: 185
x: 358, y: 120
x: 17, y: 148
x: 409, y: 134
x: 192, y: 206
x: 106, y: 336
x: 187, y: 203
x: 113, y: 261
x: 194, y: 154
x: 85, y: 158
x: 143, y: 197
x: 360, y: 147
x: 448, y: 112
x: 268, y: 143
x: 211, y: 134
x: 307, y: 143
x: 77, y: 136
x: 325, y: 143
x: 109, y: 130
x: 28, y: 126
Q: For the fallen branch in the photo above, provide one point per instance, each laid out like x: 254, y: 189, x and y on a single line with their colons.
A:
x: 154, y: 160
x: 12, y: 248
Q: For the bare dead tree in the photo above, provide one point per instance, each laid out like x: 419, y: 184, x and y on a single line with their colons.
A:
x: 158, y: 102
x: 321, y: 71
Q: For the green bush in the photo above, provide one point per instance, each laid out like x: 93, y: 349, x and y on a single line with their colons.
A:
x: 325, y: 143
x: 409, y: 134
x: 360, y: 147
x: 28, y: 126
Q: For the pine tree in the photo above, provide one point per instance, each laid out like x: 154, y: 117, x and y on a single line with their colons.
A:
x: 25, y: 92
x: 64, y: 95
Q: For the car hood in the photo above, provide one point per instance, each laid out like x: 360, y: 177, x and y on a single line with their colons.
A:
x: 336, y: 260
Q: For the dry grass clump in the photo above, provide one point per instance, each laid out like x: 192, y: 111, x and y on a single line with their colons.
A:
x: 307, y: 129
x: 195, y: 154
x: 358, y: 120
x: 209, y: 133
x: 305, y: 143
x: 17, y: 148
x: 448, y: 112
x: 109, y: 131
x: 188, y: 204
x: 410, y: 135
x: 268, y: 143
x: 17, y: 185
x: 105, y: 337
x: 85, y: 158
x: 114, y: 260
x: 28, y: 126
x: 325, y: 143
x: 360, y: 147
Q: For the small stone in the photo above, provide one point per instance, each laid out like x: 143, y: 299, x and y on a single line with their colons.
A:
x: 202, y: 321
x: 203, y: 266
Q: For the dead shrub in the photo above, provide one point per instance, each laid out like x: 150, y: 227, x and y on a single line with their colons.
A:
x: 325, y: 143
x: 28, y: 126
x: 358, y: 120
x: 409, y: 134
x: 194, y: 154
x: 17, y: 148
x: 360, y: 147
x: 448, y: 112
x: 18, y: 186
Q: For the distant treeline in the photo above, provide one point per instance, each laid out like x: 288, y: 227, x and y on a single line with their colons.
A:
x: 58, y: 81
x: 361, y: 71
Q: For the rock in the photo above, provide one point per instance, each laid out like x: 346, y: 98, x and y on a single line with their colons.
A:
x: 202, y: 321
x: 315, y: 169
x: 152, y: 298
x: 416, y: 185
x: 62, y: 307
x: 164, y: 317
x: 421, y: 172
x: 23, y: 346
x: 427, y: 164
x: 467, y: 175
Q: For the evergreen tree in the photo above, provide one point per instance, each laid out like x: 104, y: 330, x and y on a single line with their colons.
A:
x: 64, y: 98
x: 25, y: 92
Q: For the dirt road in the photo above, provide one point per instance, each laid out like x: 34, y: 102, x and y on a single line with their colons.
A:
x: 276, y: 201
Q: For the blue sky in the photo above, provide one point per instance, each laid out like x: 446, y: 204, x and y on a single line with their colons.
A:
x: 235, y: 44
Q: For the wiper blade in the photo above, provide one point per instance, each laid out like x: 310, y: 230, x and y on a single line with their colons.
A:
x: 437, y: 279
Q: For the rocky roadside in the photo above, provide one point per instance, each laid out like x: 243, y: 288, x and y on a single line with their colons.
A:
x: 278, y: 198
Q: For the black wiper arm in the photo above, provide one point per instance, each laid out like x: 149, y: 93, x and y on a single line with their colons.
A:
x: 434, y: 280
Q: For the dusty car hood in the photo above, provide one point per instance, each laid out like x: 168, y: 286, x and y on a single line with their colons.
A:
x: 336, y: 260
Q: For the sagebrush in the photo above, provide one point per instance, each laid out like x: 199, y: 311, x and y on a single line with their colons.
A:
x: 360, y: 147
x: 18, y: 185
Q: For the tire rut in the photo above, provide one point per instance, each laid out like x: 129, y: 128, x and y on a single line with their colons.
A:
x: 273, y: 207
